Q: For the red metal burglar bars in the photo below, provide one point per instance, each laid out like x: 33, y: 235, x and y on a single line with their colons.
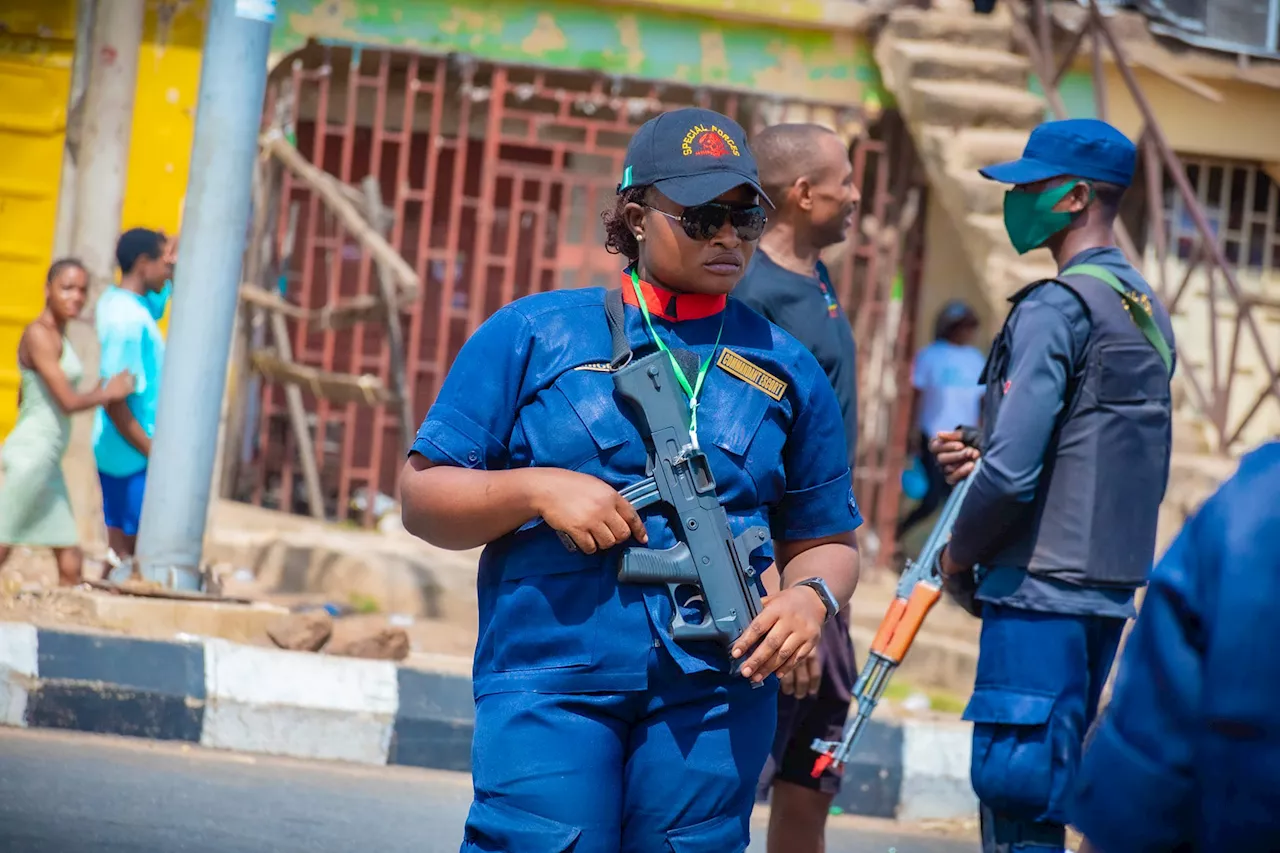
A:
x: 496, y: 177
x: 1210, y: 377
x: 878, y: 282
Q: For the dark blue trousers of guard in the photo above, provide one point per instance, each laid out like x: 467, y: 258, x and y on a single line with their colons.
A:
x: 1039, y: 679
x: 669, y: 770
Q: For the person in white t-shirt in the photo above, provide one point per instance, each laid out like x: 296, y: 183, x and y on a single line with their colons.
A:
x: 947, y: 395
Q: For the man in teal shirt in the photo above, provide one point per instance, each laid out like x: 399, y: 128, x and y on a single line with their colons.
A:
x: 130, y: 339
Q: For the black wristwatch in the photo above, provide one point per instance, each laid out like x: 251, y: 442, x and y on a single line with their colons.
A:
x: 819, y: 586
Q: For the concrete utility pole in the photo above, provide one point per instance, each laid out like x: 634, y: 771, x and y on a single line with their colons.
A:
x: 69, y: 183
x: 104, y: 137
x: 108, y: 38
x: 233, y: 81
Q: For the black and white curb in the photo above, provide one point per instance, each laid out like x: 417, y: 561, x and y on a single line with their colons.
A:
x: 224, y: 695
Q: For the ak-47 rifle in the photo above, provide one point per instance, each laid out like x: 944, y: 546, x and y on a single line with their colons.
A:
x: 918, y: 590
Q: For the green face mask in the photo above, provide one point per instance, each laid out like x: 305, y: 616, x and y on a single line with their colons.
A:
x: 1030, y: 219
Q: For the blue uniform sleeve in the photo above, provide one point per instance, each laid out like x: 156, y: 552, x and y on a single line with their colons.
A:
x: 1046, y: 337
x: 1136, y: 787
x: 121, y: 348
x: 819, y: 498
x: 470, y: 423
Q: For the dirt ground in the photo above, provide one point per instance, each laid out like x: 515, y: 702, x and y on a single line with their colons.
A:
x: 29, y: 593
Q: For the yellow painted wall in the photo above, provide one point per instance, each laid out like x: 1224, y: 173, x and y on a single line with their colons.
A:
x: 948, y: 274
x: 35, y: 77
x: 164, y: 118
x: 1244, y: 125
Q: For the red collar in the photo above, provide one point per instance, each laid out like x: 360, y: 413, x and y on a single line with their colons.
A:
x: 670, y: 305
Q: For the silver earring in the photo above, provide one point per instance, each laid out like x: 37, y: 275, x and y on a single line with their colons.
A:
x: 639, y: 238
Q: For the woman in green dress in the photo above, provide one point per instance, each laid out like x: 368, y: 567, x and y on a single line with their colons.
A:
x: 35, y: 509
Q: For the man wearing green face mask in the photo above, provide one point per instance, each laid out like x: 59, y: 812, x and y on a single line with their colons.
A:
x: 1061, y: 516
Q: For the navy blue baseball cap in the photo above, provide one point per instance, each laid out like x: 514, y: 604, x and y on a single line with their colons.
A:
x: 954, y: 313
x: 1079, y: 147
x: 691, y: 156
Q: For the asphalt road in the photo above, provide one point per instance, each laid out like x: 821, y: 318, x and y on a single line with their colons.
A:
x: 67, y: 793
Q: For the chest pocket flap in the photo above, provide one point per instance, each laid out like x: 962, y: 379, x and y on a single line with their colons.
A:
x: 732, y: 407
x: 590, y: 394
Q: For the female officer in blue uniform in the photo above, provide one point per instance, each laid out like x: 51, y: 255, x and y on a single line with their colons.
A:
x: 595, y: 731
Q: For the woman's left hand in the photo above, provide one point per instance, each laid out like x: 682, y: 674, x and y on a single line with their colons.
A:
x: 787, y: 630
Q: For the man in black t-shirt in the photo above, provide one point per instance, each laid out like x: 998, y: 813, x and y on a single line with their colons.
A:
x: 805, y: 169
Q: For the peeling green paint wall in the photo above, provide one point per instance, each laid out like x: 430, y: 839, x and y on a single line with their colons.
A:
x: 811, y: 64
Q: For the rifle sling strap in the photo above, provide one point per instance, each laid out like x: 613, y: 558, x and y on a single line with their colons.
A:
x: 616, y: 314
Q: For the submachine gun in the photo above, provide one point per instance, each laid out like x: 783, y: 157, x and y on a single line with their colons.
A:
x: 708, y: 555
x: 918, y: 591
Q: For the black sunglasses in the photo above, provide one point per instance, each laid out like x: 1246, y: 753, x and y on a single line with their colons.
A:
x: 704, y: 221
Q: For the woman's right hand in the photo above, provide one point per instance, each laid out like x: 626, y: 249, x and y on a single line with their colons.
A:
x: 119, y: 387
x: 588, y: 510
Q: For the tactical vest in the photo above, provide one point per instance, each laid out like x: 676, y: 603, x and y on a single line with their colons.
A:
x: 1093, y: 518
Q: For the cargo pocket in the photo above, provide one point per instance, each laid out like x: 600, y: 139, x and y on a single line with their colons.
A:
x: 547, y: 608
x: 723, y: 834
x: 1014, y: 756
x: 493, y: 827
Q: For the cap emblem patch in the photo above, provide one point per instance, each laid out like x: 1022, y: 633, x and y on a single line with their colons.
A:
x: 703, y: 141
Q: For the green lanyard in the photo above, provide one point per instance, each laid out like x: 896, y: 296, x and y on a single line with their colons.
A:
x: 691, y: 392
x: 1139, y: 313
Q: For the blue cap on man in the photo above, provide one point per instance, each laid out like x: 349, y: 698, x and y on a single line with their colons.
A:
x: 691, y: 156
x: 1080, y: 147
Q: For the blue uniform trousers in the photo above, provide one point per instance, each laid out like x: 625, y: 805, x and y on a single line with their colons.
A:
x: 1039, y: 679
x: 671, y: 769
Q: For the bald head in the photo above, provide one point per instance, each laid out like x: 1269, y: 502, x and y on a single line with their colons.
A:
x: 785, y: 153
x: 805, y: 170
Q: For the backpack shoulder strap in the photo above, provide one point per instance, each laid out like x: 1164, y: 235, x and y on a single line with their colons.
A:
x: 1140, y: 313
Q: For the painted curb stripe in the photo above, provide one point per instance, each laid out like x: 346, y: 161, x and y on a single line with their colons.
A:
x: 146, y: 666
x: 117, y: 685
x: 228, y: 696
x: 298, y: 704
x: 19, y: 663
x: 110, y: 710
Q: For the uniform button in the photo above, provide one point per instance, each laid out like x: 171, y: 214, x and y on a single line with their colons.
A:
x: 473, y: 457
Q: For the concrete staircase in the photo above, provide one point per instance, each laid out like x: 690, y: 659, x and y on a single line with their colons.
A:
x: 963, y: 93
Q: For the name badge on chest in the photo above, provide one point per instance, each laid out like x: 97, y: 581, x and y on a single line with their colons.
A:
x: 735, y: 365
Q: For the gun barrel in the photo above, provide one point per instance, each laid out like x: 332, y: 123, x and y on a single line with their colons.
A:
x: 918, y: 591
x: 867, y: 693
